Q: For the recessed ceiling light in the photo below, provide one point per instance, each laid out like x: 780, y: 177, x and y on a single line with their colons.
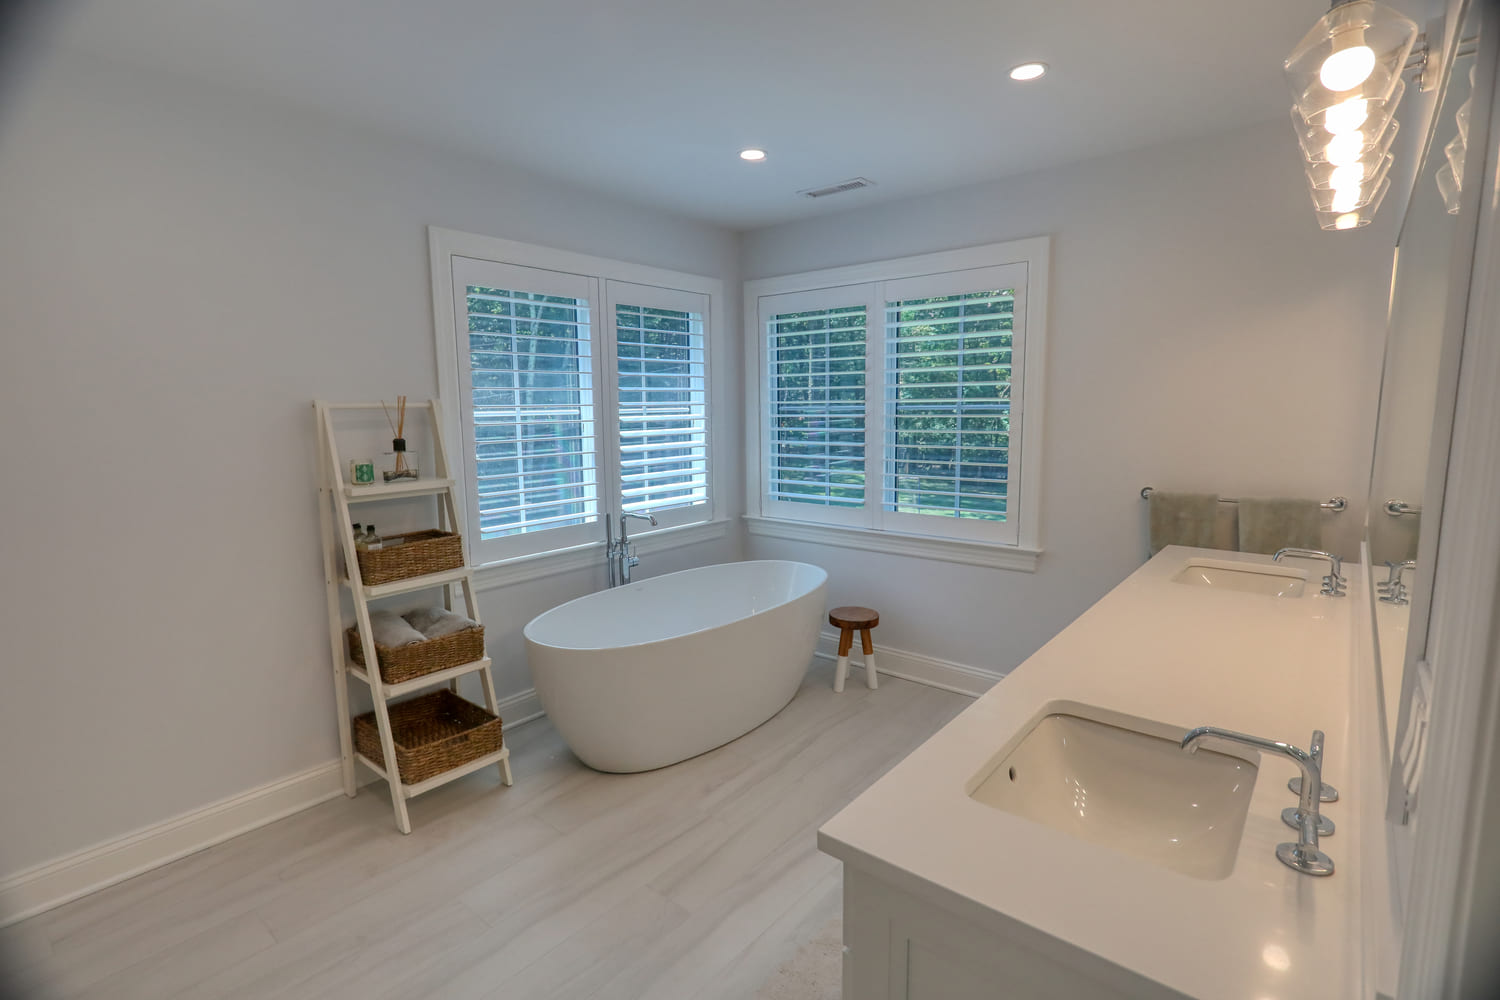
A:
x: 753, y: 155
x: 1028, y: 71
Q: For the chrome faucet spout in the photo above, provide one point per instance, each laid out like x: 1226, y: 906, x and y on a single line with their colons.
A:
x: 624, y: 555
x: 1303, y: 856
x: 1333, y: 583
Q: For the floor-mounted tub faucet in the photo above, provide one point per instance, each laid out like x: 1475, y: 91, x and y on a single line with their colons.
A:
x: 1333, y: 583
x: 620, y: 553
x: 1303, y: 856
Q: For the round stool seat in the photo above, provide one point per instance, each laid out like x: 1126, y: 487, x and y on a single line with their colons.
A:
x: 854, y: 617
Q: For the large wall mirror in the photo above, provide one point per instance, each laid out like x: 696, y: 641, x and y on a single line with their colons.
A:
x: 1429, y: 299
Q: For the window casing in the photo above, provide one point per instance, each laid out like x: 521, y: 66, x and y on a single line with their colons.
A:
x: 903, y: 396
x: 577, y: 395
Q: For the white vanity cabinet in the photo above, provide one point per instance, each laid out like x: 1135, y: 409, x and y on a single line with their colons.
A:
x: 951, y: 892
x: 900, y: 946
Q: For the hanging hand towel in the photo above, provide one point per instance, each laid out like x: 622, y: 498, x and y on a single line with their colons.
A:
x: 1184, y: 519
x: 390, y: 630
x: 436, y: 622
x: 1268, y: 525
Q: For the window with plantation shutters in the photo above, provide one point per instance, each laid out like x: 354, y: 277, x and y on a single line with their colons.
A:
x: 893, y: 398
x: 817, y: 405
x: 580, y: 397
x: 663, y: 417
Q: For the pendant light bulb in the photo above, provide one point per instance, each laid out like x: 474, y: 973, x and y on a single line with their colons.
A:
x: 1349, y: 220
x: 1346, y: 199
x: 1350, y: 64
x: 1346, y: 116
x: 1350, y: 175
x: 1345, y: 147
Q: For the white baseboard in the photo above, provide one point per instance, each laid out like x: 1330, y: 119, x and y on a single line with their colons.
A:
x: 956, y: 677
x: 53, y: 883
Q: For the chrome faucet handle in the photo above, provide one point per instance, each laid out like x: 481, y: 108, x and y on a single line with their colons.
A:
x: 1292, y: 815
x: 1333, y: 583
x: 1302, y: 856
x: 1328, y: 792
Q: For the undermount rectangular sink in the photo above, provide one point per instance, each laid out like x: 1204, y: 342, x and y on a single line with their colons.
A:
x: 1128, y: 791
x: 1258, y: 580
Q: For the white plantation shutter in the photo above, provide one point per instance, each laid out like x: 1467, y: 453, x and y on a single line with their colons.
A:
x: 661, y: 399
x: 950, y: 355
x: 530, y: 425
x: 817, y: 402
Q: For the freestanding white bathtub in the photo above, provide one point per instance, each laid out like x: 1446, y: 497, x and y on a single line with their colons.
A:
x: 649, y: 674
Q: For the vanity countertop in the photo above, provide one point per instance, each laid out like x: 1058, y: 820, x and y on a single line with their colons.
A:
x: 1182, y: 656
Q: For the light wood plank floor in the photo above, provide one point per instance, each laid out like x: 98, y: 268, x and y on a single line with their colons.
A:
x: 698, y: 880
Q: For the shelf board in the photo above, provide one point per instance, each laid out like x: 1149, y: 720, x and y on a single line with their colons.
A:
x: 426, y: 680
x: 411, y: 791
x: 400, y: 488
x: 413, y: 583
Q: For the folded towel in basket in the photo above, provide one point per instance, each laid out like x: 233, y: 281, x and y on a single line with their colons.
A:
x: 436, y: 622
x: 390, y: 630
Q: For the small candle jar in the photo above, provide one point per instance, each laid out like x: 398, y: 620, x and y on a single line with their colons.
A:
x: 361, y: 471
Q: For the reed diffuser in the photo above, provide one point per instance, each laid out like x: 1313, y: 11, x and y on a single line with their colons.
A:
x: 398, y: 463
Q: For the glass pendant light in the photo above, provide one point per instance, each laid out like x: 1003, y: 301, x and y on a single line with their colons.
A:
x: 1354, y: 190
x: 1355, y: 52
x: 1318, y: 146
x: 1355, y: 114
x: 1355, y: 218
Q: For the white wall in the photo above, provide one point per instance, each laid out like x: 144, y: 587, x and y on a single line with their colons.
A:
x: 1204, y: 335
x: 181, y: 272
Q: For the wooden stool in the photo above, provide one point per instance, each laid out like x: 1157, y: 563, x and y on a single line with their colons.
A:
x: 849, y: 619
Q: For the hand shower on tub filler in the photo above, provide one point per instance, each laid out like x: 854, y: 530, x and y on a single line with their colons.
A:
x: 620, y: 553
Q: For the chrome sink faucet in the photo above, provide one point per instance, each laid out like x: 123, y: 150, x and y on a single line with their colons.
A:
x: 1393, y: 590
x: 1333, y: 583
x: 1303, y: 856
x: 620, y: 553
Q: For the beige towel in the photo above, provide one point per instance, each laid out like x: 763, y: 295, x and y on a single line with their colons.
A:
x: 1185, y: 519
x: 1268, y: 525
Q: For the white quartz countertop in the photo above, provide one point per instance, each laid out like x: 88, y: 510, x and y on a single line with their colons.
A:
x: 1177, y: 655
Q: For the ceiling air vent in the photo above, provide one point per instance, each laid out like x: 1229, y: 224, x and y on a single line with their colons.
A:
x: 852, y: 184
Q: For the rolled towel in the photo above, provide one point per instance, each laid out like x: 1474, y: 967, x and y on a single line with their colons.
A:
x: 1184, y: 519
x: 436, y: 622
x: 1268, y: 525
x: 390, y: 630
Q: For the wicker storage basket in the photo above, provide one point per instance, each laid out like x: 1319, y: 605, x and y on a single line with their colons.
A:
x: 433, y: 733
x: 404, y: 663
x: 416, y: 554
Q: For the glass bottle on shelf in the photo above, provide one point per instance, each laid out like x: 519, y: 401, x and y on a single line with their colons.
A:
x: 372, y: 540
x: 359, y: 535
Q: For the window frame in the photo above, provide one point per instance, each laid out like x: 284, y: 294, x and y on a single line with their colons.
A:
x: 1014, y: 543
x: 571, y: 547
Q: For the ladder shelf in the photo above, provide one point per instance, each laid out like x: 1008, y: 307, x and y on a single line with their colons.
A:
x: 335, y: 498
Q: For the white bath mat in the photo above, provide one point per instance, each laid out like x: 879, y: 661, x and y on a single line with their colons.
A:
x: 815, y: 972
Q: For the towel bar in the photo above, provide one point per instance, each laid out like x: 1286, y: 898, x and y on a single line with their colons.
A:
x: 1336, y: 504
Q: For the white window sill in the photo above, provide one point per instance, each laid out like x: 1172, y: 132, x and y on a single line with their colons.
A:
x: 508, y: 572
x: 898, y: 543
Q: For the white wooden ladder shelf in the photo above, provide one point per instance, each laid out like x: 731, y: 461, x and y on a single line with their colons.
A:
x: 335, y: 498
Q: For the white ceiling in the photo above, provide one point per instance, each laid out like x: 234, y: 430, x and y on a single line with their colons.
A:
x: 651, y: 100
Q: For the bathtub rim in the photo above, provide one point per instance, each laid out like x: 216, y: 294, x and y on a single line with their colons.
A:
x: 526, y: 632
